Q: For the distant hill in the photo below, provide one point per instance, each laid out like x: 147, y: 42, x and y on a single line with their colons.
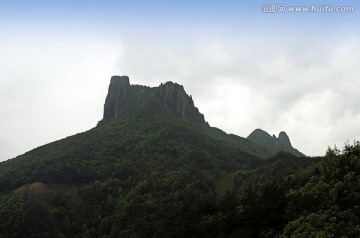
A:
x: 273, y: 143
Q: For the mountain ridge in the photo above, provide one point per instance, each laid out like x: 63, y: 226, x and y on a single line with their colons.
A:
x: 148, y: 164
x: 282, y: 142
x: 124, y: 99
x: 171, y: 95
x: 174, y: 97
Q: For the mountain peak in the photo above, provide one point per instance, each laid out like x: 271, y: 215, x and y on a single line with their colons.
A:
x: 176, y: 99
x: 280, y: 143
x: 120, y: 80
x: 118, y: 93
x: 169, y: 95
x: 284, y: 140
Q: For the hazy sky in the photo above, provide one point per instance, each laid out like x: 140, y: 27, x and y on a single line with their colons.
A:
x: 245, y: 69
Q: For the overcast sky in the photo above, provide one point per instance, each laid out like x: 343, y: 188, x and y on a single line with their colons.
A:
x: 245, y: 69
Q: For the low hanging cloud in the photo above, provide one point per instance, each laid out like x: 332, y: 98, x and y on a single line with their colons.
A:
x: 309, y: 89
x: 51, y: 88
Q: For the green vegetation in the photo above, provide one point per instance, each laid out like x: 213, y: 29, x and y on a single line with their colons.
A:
x: 149, y: 173
x: 328, y: 204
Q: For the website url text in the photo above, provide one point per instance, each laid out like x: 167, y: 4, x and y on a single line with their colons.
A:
x: 281, y: 8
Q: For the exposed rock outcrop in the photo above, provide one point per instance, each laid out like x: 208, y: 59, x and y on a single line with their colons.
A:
x: 170, y: 95
x: 119, y: 92
x: 174, y: 96
x: 280, y: 143
x: 284, y: 140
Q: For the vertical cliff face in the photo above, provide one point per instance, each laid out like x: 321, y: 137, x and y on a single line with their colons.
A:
x: 170, y: 95
x: 284, y: 140
x: 118, y: 94
x: 174, y: 97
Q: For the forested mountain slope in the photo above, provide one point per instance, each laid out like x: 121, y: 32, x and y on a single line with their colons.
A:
x: 153, y: 167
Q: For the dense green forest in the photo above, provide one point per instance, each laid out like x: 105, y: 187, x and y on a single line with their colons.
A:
x: 283, y: 196
x: 148, y: 172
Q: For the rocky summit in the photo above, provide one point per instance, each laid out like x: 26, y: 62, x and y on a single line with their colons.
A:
x: 170, y: 95
x: 174, y: 96
x: 124, y: 99
x: 153, y: 167
x: 119, y: 92
x: 280, y: 143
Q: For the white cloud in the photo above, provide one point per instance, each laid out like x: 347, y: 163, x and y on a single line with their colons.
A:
x: 53, y: 86
x: 308, y: 89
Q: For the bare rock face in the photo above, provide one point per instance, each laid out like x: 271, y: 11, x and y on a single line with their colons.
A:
x: 169, y: 95
x: 284, y: 140
x: 280, y: 143
x: 119, y: 92
x: 174, y: 97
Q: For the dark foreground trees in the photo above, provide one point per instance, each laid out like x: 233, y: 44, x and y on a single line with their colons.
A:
x: 329, y: 204
x: 283, y: 197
